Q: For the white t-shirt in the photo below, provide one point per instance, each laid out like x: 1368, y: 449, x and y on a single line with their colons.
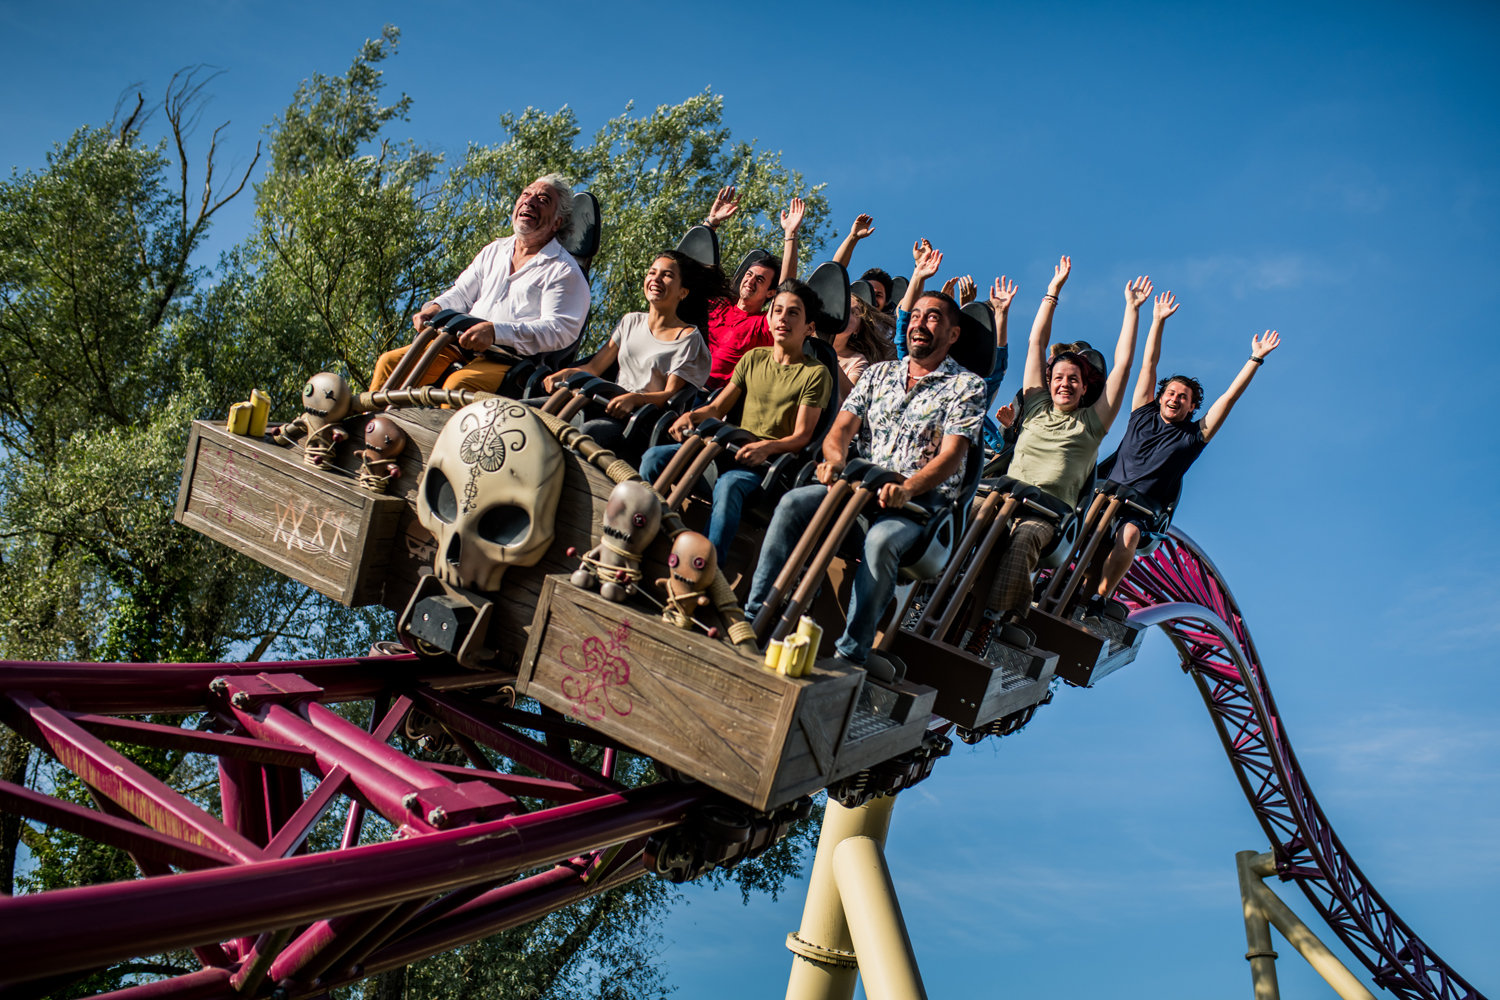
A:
x: 646, y: 362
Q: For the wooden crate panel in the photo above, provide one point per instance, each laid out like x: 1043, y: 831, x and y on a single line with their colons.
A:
x: 316, y: 527
x: 688, y: 701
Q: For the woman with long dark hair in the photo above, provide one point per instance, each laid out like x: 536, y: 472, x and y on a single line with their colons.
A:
x: 661, y: 351
x: 867, y: 339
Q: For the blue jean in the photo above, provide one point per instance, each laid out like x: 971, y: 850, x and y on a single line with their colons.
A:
x: 732, y: 489
x: 889, y: 537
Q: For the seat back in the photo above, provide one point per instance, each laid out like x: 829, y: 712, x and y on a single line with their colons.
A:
x: 898, y: 292
x: 975, y: 347
x: 583, y: 244
x: 863, y: 291
x: 702, y: 244
x: 831, y: 283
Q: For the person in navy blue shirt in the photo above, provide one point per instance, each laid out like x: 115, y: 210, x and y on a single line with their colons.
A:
x: 1162, y: 441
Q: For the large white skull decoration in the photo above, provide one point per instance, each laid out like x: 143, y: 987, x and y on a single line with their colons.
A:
x: 489, y: 493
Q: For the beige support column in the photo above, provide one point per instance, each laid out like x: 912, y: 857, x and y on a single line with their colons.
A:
x: 886, y: 958
x: 823, y: 964
x: 1257, y: 933
x: 1255, y: 867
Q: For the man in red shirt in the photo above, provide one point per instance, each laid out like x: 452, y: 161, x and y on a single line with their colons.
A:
x: 736, y: 327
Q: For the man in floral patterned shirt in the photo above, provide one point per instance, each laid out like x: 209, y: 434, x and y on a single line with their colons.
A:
x: 924, y: 413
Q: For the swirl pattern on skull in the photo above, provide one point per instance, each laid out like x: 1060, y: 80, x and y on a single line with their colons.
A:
x: 489, y: 493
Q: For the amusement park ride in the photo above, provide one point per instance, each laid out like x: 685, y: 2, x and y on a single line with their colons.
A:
x: 555, y: 614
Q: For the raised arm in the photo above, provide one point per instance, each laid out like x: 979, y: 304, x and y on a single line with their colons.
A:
x: 1259, y: 348
x: 1108, y: 406
x: 1145, y: 383
x: 863, y: 227
x: 1035, y: 375
x: 791, y: 221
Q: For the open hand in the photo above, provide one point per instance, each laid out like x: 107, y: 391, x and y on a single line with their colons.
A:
x: 864, y: 225
x: 948, y: 287
x: 791, y: 216
x: 726, y: 203
x: 1001, y: 294
x: 1261, y: 346
x: 1165, y: 306
x: 1137, y: 292
x: 1006, y: 415
x: 1060, y: 274
x: 918, y: 248
x: 927, y: 265
x: 966, y: 290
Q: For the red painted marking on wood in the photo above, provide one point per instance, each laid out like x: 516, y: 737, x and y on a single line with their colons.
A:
x: 598, y: 684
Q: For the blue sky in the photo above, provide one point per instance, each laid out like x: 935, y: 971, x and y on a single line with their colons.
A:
x: 1326, y: 170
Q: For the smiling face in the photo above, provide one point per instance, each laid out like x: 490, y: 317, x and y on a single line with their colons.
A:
x: 1066, y: 386
x: 755, y: 287
x: 877, y: 290
x: 790, y: 324
x: 536, y: 210
x: 931, y: 331
x: 1176, y: 402
x: 663, y: 284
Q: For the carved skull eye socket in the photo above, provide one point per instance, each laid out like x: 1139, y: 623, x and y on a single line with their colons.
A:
x: 672, y: 560
x: 697, y: 562
x: 640, y: 520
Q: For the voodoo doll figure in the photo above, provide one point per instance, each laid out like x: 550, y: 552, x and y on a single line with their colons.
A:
x: 325, y: 401
x: 631, y: 519
x: 692, y: 565
x: 384, y: 441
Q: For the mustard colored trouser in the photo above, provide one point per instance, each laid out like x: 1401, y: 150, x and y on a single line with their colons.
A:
x: 480, y: 375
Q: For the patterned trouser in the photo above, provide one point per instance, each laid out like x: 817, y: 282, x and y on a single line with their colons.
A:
x: 1011, y: 588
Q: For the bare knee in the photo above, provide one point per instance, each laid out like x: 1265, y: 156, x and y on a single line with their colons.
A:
x: 1129, y: 538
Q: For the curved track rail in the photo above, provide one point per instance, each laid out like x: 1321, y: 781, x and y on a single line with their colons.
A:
x: 1179, y: 588
x: 541, y: 843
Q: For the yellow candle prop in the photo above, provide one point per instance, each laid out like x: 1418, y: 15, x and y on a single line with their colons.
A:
x: 261, y: 412
x: 773, y: 654
x: 239, y: 418
x: 814, y: 633
x: 791, y: 655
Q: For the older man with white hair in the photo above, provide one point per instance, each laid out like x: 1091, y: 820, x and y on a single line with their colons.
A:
x: 529, y: 291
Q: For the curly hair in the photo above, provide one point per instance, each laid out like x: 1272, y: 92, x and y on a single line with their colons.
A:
x: 1193, y: 386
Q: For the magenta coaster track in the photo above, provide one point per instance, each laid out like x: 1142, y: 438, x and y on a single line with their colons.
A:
x: 1179, y: 588
x: 479, y: 849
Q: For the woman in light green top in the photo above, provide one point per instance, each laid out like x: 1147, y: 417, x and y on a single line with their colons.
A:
x: 1068, y: 407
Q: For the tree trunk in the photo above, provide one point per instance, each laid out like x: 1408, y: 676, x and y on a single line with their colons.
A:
x: 15, y: 758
